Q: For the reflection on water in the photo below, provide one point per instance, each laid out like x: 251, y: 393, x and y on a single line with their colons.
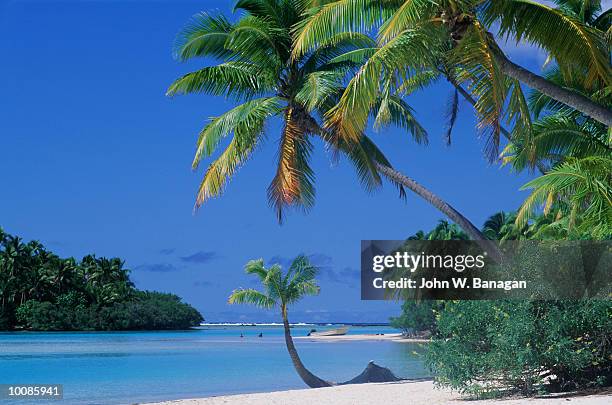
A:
x: 128, y: 367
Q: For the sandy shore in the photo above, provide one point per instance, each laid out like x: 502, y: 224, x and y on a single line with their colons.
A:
x: 402, y: 393
x: 395, y: 337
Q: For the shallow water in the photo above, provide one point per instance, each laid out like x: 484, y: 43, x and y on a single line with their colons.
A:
x: 129, y: 367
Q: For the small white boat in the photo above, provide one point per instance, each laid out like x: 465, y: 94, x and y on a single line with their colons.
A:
x: 331, y: 332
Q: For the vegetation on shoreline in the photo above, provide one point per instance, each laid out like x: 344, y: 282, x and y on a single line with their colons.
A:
x: 492, y: 348
x: 41, y: 291
x: 529, y: 347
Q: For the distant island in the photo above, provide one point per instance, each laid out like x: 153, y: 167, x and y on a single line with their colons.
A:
x: 41, y: 291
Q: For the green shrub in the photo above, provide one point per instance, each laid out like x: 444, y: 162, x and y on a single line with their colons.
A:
x: 417, y: 317
x: 522, y: 346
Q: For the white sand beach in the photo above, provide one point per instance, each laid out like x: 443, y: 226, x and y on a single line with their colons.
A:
x: 395, y: 337
x: 400, y: 393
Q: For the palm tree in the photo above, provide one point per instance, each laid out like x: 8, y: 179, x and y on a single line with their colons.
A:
x: 280, y: 291
x: 415, y: 35
x: 580, y: 191
x: 257, y: 69
x: 575, y: 150
x: 106, y: 279
x: 443, y: 231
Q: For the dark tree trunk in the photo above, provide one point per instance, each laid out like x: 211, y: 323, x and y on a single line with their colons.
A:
x: 309, y: 379
x: 570, y: 98
x: 442, y: 206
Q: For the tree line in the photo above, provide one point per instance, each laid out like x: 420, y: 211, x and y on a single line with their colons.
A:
x: 41, y: 291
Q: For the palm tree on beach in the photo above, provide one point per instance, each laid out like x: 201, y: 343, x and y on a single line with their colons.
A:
x: 257, y: 69
x: 415, y: 36
x: 280, y: 291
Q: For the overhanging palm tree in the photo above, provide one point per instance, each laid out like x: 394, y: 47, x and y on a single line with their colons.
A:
x: 411, y: 31
x: 258, y: 70
x: 280, y: 291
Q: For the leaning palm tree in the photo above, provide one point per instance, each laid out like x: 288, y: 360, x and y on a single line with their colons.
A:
x: 280, y: 291
x: 258, y: 70
x: 457, y: 33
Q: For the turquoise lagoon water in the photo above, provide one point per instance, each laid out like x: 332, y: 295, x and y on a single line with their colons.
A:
x: 133, y: 367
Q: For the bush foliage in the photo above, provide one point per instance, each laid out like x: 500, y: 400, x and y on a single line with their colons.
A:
x: 417, y: 317
x: 526, y: 346
x: 502, y: 347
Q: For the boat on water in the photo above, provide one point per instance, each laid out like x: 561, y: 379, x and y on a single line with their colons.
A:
x: 331, y: 332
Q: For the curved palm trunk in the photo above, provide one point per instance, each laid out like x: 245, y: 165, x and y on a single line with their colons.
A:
x: 570, y: 98
x: 442, y: 206
x: 310, y: 379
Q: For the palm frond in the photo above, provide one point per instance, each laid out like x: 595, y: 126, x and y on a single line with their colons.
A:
x: 303, y: 289
x: 246, y: 136
x: 253, y: 297
x: 262, y: 8
x: 255, y: 40
x: 400, y: 114
x: 417, y: 81
x: 274, y: 283
x: 242, y: 117
x: 318, y: 87
x: 256, y: 267
x: 356, y: 56
x: 554, y: 138
x: 336, y: 47
x: 407, y: 15
x: 236, y: 79
x: 486, y: 82
x: 303, y: 269
x: 349, y: 118
x: 584, y: 184
x: 365, y: 156
x: 451, y: 116
x: 325, y: 21
x: 204, y: 35
x: 519, y: 116
x: 569, y: 41
x: 292, y: 185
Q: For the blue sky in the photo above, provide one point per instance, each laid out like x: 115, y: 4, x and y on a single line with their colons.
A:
x: 95, y: 159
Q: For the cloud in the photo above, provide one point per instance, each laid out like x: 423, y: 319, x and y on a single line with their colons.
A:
x: 346, y: 276
x: 200, y: 257
x: 320, y: 259
x: 157, y: 267
x: 202, y: 284
x: 167, y: 251
x: 350, y: 273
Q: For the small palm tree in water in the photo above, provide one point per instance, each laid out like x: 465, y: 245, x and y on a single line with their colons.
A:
x: 280, y: 291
